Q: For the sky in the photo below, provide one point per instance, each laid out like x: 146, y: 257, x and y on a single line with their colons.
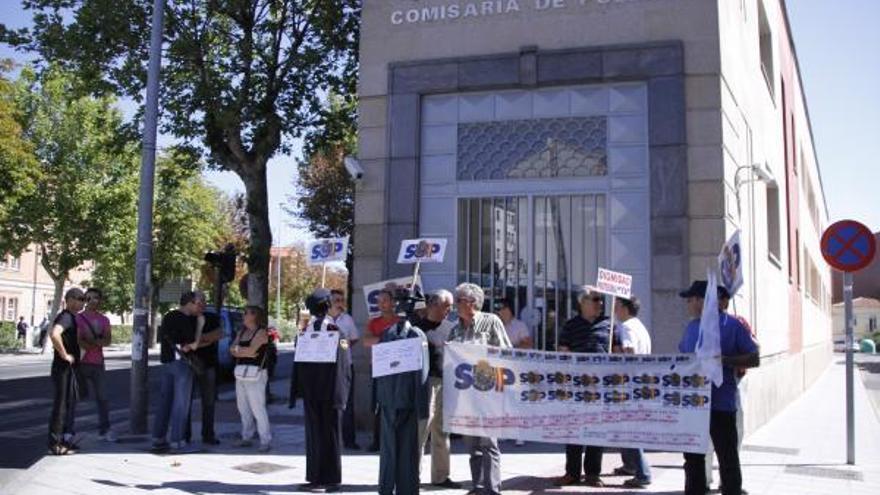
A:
x: 836, y: 43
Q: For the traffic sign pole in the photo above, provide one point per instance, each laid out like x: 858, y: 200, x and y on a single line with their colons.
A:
x: 848, y: 246
x: 850, y: 406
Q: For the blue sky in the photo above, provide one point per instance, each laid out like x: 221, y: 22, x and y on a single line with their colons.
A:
x: 837, y: 45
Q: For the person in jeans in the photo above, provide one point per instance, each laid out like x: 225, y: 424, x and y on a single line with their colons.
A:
x: 22, y: 329
x: 249, y: 350
x: 634, y: 339
x: 349, y: 331
x: 179, y: 339
x: 738, y: 350
x: 437, y: 329
x: 486, y: 329
x: 206, y: 377
x: 93, y: 330
x: 64, y: 364
x: 589, y: 331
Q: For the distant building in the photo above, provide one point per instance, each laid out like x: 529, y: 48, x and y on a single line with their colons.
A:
x: 26, y: 288
x: 866, y: 318
x: 546, y: 139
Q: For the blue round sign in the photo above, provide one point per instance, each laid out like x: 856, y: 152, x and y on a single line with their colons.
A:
x: 848, y: 245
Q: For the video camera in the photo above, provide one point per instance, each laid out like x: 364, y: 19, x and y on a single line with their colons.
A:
x: 406, y: 301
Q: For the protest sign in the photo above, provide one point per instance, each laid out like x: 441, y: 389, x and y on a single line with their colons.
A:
x: 614, y: 283
x: 422, y: 251
x: 399, y: 356
x: 327, y: 250
x: 371, y: 291
x: 730, y: 264
x: 316, y: 347
x: 658, y: 402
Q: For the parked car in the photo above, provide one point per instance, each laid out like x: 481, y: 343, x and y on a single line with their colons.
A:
x: 231, y: 321
x: 840, y: 346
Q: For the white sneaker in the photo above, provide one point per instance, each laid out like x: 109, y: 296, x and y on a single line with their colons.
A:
x: 109, y: 437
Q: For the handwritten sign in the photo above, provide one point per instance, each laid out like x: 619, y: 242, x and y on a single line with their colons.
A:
x: 327, y: 250
x: 614, y: 283
x: 422, y: 251
x: 396, y: 357
x: 316, y: 347
x: 371, y: 292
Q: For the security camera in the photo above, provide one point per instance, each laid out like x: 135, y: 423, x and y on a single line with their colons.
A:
x: 353, y: 166
x: 763, y: 173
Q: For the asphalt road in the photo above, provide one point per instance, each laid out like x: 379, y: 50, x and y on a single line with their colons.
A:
x: 26, y: 401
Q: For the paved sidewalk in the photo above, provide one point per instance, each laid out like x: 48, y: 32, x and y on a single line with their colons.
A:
x: 801, y: 451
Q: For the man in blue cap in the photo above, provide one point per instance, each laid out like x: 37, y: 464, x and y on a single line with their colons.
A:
x: 738, y: 350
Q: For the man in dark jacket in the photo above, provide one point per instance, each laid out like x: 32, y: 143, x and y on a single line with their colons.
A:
x: 589, y: 331
x: 324, y: 390
x: 402, y: 400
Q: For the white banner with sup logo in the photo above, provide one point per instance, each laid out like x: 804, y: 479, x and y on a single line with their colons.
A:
x: 657, y: 402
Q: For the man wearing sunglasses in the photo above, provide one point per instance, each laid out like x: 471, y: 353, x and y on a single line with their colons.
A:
x: 588, y: 331
x: 66, y: 345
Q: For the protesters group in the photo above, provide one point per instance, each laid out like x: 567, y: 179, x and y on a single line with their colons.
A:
x: 408, y: 406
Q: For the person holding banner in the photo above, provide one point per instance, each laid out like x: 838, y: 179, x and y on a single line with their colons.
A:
x: 589, y: 331
x: 634, y: 339
x: 486, y: 329
x: 437, y: 329
x: 323, y: 387
x: 738, y: 350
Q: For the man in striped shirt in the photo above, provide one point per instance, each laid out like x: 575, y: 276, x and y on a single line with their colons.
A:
x: 479, y: 328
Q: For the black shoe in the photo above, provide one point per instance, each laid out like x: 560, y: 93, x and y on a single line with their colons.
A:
x: 210, y: 441
x: 448, y: 483
x: 374, y: 447
x: 352, y: 446
x: 332, y: 488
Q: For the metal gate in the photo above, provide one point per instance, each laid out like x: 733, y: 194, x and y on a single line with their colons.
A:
x: 536, y: 251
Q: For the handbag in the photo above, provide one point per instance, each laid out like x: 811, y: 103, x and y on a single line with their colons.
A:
x: 251, y: 372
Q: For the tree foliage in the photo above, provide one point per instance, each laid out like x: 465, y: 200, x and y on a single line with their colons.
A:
x: 240, y: 77
x: 86, y: 182
x: 188, y: 221
x: 19, y: 168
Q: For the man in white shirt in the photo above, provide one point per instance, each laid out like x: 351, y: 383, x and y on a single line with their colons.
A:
x: 517, y: 331
x: 635, y: 339
x: 350, y: 332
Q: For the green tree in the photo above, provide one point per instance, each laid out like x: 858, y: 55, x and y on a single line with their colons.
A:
x: 241, y: 78
x: 87, y: 179
x: 325, y: 191
x: 19, y: 168
x: 188, y: 220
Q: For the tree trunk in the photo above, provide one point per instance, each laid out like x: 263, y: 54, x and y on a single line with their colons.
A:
x: 257, y: 208
x: 58, y: 278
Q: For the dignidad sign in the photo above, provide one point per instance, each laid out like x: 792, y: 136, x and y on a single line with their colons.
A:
x: 614, y: 283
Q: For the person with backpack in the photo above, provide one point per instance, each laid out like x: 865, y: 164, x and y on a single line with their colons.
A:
x: 64, y: 366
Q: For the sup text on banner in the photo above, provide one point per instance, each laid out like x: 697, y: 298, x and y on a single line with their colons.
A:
x: 327, y: 250
x: 658, y: 402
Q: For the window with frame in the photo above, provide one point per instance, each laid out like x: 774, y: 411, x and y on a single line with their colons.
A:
x: 2, y: 308
x: 4, y: 264
x: 11, y: 308
x: 765, y: 42
x: 14, y: 263
x: 773, y: 227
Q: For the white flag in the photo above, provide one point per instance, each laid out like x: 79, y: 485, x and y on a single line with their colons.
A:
x: 709, y: 344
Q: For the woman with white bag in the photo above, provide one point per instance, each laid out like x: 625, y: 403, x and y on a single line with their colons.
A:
x: 250, y: 349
